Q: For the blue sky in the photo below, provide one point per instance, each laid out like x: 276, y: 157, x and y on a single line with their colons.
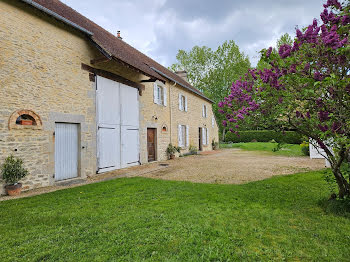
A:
x: 159, y: 28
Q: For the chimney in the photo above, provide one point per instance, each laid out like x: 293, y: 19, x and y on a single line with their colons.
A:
x: 182, y: 74
x: 118, y: 35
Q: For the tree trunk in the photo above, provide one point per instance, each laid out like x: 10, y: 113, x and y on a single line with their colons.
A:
x: 223, y: 134
x: 343, y: 185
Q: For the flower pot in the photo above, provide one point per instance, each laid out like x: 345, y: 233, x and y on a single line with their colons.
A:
x: 14, y: 190
x: 172, y: 156
x: 26, y: 122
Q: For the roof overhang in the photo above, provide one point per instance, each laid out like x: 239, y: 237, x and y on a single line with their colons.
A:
x: 57, y: 16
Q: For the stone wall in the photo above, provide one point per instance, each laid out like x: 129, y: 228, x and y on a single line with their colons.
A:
x: 40, y: 71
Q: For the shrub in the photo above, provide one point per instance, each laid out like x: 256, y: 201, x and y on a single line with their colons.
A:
x: 305, y: 149
x: 193, y: 150
x: 12, y: 170
x: 171, y: 150
x: 278, y: 147
x: 289, y: 137
x: 215, y: 145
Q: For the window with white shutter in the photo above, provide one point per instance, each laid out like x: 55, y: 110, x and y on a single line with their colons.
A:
x: 160, y: 94
x: 180, y: 140
x: 182, y: 103
x: 204, y: 111
x: 183, y: 137
x: 205, y: 136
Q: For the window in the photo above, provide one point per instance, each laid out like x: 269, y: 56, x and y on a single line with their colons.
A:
x: 204, y: 111
x: 182, y: 103
x: 183, y: 136
x: 205, y: 136
x: 213, y: 121
x: 160, y: 95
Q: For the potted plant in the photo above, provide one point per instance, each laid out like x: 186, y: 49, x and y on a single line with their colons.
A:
x: 12, y: 172
x: 215, y: 145
x: 171, y: 150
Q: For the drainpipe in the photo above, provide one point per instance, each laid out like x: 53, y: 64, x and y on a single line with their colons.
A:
x: 171, y: 115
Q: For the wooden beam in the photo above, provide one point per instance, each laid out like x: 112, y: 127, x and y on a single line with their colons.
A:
x: 99, y: 60
x: 151, y: 80
x: 113, y: 77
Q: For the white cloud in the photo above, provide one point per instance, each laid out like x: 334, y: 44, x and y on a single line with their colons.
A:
x: 159, y: 28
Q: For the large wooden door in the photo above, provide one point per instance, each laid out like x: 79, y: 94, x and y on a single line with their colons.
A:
x: 151, y: 144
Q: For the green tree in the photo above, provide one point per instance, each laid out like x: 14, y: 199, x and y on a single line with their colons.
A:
x: 213, y: 71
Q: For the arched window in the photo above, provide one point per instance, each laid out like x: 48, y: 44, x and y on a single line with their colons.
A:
x: 25, y: 119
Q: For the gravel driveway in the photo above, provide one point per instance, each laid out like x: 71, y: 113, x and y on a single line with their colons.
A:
x: 227, y: 166
x: 234, y: 166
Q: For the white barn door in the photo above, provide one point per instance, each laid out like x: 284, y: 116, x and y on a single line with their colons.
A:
x: 66, y: 151
x: 130, y: 126
x: 117, y: 113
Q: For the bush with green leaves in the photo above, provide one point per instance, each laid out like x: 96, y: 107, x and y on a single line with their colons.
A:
x: 171, y: 150
x: 12, y: 170
x: 305, y: 149
x: 288, y: 137
x: 193, y: 150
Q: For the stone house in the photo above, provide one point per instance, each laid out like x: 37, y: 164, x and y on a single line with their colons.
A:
x: 76, y: 100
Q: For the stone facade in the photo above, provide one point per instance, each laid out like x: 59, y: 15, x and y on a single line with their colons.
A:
x: 40, y: 73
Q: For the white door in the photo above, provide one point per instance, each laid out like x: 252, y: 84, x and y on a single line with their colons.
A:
x: 117, y: 125
x: 66, y: 151
x: 129, y: 126
x: 130, y: 146
x: 109, y: 148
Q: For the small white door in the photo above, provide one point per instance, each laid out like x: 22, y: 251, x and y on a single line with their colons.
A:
x: 108, y: 148
x: 66, y: 151
x: 130, y: 146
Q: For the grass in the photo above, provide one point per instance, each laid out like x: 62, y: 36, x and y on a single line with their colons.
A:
x: 287, y: 150
x: 136, y: 219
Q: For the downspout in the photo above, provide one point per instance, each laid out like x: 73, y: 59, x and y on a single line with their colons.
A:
x: 171, y: 115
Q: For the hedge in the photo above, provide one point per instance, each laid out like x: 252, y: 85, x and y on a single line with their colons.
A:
x: 289, y: 137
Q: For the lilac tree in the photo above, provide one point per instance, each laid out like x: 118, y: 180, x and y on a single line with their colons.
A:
x: 306, y: 87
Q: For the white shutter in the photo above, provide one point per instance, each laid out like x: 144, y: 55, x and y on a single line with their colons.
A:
x: 180, y: 135
x: 204, y: 136
x: 203, y: 112
x: 165, y: 96
x: 180, y: 102
x: 155, y: 93
x: 186, y: 103
x: 207, y: 135
x: 187, y: 136
x: 213, y: 121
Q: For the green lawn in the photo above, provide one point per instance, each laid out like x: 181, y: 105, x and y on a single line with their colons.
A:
x: 284, y: 218
x: 287, y: 150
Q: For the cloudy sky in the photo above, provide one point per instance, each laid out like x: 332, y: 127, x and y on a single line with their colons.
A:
x: 159, y: 28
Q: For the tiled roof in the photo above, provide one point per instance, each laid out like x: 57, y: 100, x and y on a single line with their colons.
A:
x: 115, y: 47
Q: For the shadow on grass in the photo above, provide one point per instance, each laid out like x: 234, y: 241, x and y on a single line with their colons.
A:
x: 338, y: 207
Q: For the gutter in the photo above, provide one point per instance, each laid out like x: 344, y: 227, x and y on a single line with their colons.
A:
x: 189, y: 89
x: 57, y: 16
